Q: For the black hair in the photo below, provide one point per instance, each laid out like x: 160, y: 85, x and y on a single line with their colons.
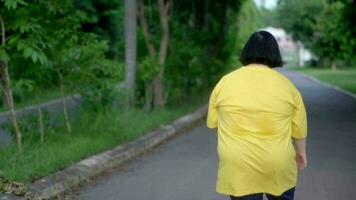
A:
x: 261, y: 48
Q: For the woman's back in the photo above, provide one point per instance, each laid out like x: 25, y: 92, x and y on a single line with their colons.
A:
x: 257, y: 111
x: 256, y: 101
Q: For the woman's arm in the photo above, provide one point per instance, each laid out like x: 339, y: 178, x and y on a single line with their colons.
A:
x: 301, y: 155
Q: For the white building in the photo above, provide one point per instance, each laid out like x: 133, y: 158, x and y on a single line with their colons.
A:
x: 292, y: 52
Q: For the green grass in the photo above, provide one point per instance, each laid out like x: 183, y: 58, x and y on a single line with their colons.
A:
x: 92, y: 133
x: 343, y: 78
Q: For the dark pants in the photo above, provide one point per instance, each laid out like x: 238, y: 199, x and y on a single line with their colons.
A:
x: 287, y: 195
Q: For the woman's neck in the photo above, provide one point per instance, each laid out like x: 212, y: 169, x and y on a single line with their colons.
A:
x: 257, y: 65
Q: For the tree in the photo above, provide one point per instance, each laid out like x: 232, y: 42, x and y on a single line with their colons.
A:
x: 329, y: 35
x: 6, y: 84
x: 327, y: 28
x: 250, y: 19
x: 157, y: 83
x: 105, y: 18
x: 130, y: 50
x: 48, y: 33
x: 335, y: 35
x: 299, y: 17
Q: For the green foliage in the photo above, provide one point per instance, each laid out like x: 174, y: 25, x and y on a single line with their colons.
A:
x: 22, y: 88
x: 326, y: 28
x: 269, y: 17
x: 53, y: 42
x: 105, y: 18
x: 149, y: 68
x: 93, y: 76
x: 328, y: 31
x: 4, y: 56
x: 249, y: 21
x: 47, y: 37
x: 12, y: 4
x: 201, y: 47
x: 185, y: 69
x: 299, y: 17
x: 335, y: 38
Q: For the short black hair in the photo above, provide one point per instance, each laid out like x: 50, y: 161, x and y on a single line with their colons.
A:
x: 261, y: 48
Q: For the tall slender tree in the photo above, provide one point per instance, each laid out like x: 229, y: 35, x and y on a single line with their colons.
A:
x: 164, y: 7
x: 6, y: 85
x: 130, y: 50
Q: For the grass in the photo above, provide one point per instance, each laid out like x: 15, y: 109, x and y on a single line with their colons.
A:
x: 92, y: 133
x: 343, y: 78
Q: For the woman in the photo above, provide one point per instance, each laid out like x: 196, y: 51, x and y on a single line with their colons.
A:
x: 258, y: 113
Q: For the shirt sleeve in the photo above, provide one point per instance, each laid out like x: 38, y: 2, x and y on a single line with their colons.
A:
x: 299, y: 120
x: 212, y: 119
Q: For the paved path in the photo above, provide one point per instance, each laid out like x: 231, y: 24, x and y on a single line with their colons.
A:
x: 185, y: 168
x: 53, y: 107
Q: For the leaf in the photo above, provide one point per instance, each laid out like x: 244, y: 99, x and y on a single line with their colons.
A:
x: 20, y: 45
x: 34, y: 57
x: 4, y: 56
x: 12, y: 4
x: 27, y: 51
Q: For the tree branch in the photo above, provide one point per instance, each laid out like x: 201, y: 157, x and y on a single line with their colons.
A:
x: 146, y: 32
x: 168, y: 6
x: 2, y: 30
x: 165, y: 29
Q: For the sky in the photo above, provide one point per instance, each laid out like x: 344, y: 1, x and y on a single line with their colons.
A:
x: 269, y: 4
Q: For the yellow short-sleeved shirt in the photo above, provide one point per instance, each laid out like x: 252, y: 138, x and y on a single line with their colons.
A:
x: 257, y: 112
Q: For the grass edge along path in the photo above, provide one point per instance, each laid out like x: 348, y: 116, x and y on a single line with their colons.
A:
x: 92, y: 133
x: 343, y: 78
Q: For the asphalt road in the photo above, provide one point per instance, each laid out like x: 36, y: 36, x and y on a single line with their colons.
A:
x: 185, y: 167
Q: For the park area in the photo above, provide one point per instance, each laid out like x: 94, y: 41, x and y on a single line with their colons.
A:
x: 83, y: 79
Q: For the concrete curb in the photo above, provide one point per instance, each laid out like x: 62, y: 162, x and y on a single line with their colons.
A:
x: 328, y: 85
x: 64, y: 180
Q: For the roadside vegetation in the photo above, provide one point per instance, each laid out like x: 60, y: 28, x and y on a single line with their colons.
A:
x: 343, y: 78
x: 92, y: 133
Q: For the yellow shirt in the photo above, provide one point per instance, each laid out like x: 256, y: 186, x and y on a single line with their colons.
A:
x: 257, y: 112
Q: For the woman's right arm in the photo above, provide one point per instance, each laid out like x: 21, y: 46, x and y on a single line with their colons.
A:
x: 299, y: 131
x: 301, y: 155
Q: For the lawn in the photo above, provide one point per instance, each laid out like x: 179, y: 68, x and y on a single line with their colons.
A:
x: 342, y: 78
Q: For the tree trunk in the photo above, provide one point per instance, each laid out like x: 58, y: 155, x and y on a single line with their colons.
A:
x: 8, y: 94
x: 159, y: 99
x: 6, y: 89
x: 334, y: 65
x: 130, y: 50
x: 158, y: 89
x: 148, y: 95
x: 3, y: 77
x: 146, y: 32
x: 64, y: 104
x: 151, y: 52
x: 4, y: 99
x: 40, y: 122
